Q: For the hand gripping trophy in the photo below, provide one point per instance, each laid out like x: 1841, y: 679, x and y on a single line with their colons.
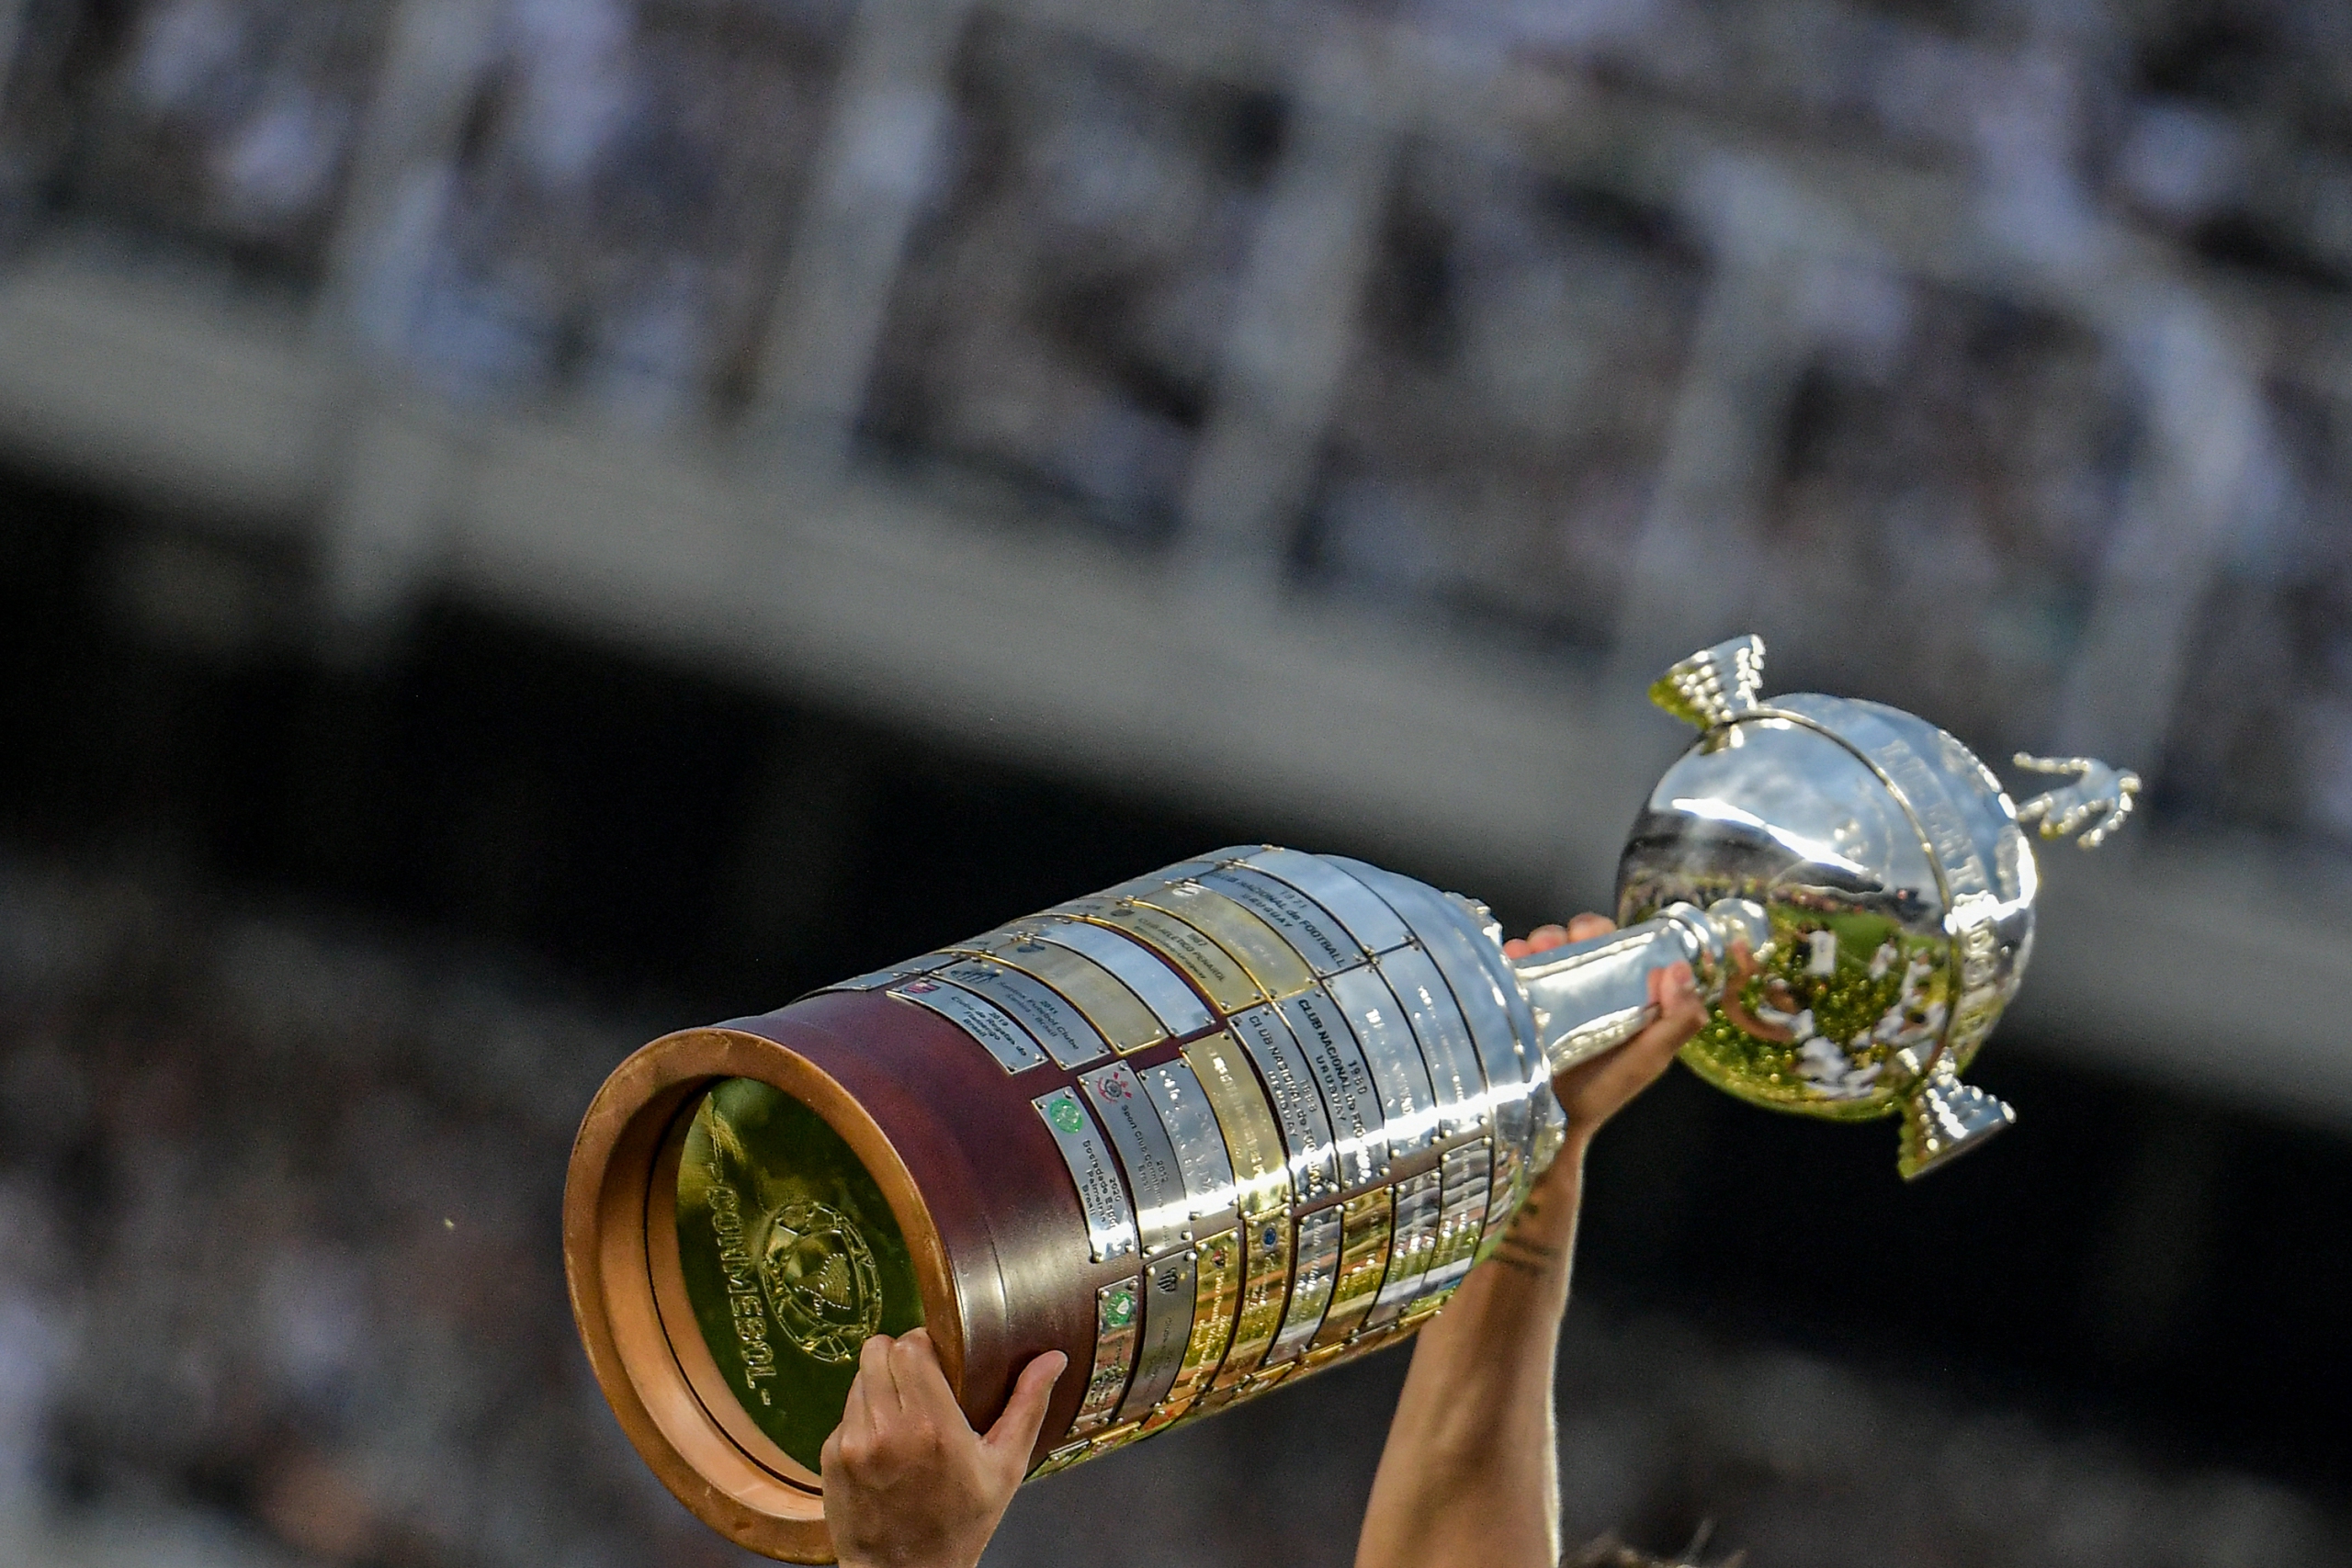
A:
x: 1260, y: 1112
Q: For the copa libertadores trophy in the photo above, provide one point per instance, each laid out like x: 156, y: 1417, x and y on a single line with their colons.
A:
x: 1258, y: 1112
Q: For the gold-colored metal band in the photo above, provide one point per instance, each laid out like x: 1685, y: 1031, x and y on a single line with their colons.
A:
x: 1314, y: 1270
x: 1060, y: 1459
x: 1262, y: 1178
x: 1219, y: 973
x: 1419, y: 1216
x: 1364, y: 1260
x: 1118, y: 1436
x: 1468, y: 1173
x: 1267, y: 1266
x: 1261, y: 1164
x: 1116, y: 1012
x: 1216, y: 1280
x: 1353, y: 1349
x: 1272, y: 963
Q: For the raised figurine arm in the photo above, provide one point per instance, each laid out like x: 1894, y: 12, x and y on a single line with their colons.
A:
x: 2099, y: 799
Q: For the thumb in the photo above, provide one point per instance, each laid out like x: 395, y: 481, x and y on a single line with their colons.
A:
x: 1024, y: 1413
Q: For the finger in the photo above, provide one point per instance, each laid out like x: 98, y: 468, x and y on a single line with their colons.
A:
x: 923, y: 1382
x: 854, y: 1436
x: 874, y: 1371
x: 1024, y: 1414
x: 1608, y: 1083
x: 1542, y: 939
x: 1583, y: 928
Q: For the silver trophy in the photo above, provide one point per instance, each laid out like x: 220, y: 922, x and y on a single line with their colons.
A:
x: 1855, y: 890
x: 1260, y: 1112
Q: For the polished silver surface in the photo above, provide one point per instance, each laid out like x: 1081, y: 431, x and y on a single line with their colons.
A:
x: 1315, y: 1269
x: 1358, y: 1123
x: 1210, y: 1195
x: 1457, y: 1080
x: 1167, y: 1329
x: 1896, y: 884
x: 1118, y: 1312
x: 1408, y: 1099
x: 1147, y: 1158
x: 1138, y: 968
x: 1468, y: 1173
x: 1312, y: 931
x: 1591, y: 996
x: 1297, y: 1105
x: 1368, y: 917
x: 1060, y: 1028
x: 1412, y: 1246
x: 1110, y: 1220
x: 1010, y: 1045
x: 1117, y: 1014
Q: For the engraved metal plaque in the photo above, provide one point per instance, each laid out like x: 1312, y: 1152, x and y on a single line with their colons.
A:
x: 1314, y: 1267
x: 1167, y: 1329
x: 1010, y: 1044
x: 1060, y: 1028
x: 1420, y: 1205
x: 1252, y: 1142
x: 1139, y: 969
x: 1217, y: 973
x: 1359, y: 1127
x: 1271, y: 962
x: 1297, y: 1104
x: 1163, y: 1217
x: 1216, y: 1274
x: 1500, y: 1051
x: 1184, y: 1110
x: 1446, y: 1047
x: 1116, y: 1012
x: 1265, y: 1246
x: 1363, y: 1260
x: 1261, y: 1177
x: 1110, y: 1223
x: 1374, y: 925
x: 1118, y: 1309
x: 1462, y: 1221
x: 1408, y: 1101
x: 1311, y: 931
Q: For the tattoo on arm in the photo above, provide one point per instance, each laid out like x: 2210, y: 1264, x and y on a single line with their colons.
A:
x: 1527, y: 1255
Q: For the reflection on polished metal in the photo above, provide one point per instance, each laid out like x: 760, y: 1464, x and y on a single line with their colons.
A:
x: 1262, y: 1112
x: 1883, y: 887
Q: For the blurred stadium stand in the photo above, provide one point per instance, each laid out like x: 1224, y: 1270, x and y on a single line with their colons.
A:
x: 1307, y: 419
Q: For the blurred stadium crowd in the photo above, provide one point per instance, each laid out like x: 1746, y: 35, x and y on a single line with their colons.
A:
x: 1992, y: 358
x: 275, y: 1233
x: 1530, y: 312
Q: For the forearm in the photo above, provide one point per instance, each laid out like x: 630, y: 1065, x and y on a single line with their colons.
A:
x: 1470, y: 1473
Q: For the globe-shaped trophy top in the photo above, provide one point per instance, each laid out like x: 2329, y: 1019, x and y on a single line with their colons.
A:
x: 1899, y: 885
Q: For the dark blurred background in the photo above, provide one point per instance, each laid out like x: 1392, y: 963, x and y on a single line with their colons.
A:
x: 533, y: 522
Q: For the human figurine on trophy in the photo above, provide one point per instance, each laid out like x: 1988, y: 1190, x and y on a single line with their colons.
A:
x: 1151, y: 1153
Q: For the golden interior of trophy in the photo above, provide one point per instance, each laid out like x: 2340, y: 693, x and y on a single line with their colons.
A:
x: 689, y: 1173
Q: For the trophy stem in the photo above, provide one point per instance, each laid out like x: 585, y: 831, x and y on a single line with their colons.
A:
x: 1591, y: 996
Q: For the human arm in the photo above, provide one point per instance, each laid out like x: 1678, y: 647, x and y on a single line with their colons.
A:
x: 1470, y: 1474
x: 908, y: 1482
